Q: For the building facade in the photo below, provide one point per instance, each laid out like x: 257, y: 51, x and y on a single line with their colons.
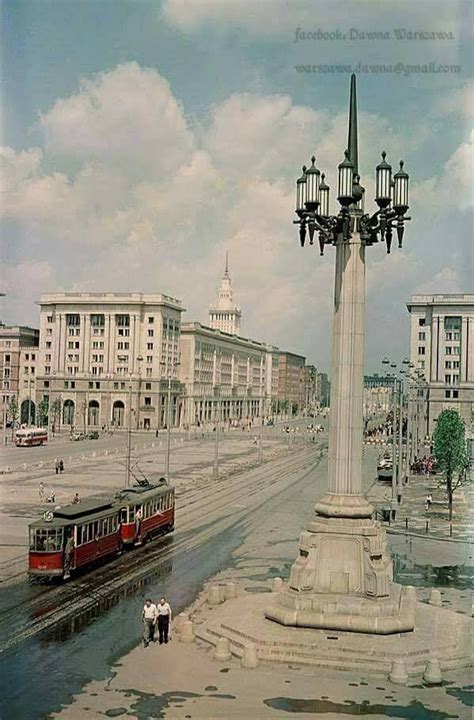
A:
x: 378, y: 395
x: 442, y: 347
x: 324, y: 389
x: 225, y: 315
x: 110, y: 359
x: 18, y: 371
x: 225, y: 376
x: 291, y: 381
x: 311, y: 401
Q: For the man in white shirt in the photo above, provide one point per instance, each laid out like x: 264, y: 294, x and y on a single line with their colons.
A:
x: 149, y: 622
x: 163, y: 612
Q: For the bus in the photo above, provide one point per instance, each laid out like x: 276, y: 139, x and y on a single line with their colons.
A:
x: 26, y: 437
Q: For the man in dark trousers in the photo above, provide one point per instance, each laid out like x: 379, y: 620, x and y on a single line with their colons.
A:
x: 163, y: 612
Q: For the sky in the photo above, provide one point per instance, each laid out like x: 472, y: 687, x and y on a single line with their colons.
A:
x: 141, y: 140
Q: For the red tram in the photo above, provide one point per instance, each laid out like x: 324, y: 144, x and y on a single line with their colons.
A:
x: 74, y: 536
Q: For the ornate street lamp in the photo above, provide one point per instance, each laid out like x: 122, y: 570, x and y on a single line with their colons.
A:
x: 312, y: 204
x: 342, y: 578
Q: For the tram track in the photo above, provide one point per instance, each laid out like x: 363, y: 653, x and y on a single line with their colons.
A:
x: 83, y: 593
x: 6, y: 579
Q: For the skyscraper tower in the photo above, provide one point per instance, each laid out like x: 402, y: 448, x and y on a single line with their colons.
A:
x: 225, y: 315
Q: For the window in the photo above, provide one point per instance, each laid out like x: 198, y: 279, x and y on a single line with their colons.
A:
x: 456, y: 336
x: 116, y: 386
x: 455, y: 379
x: 421, y: 350
x: 421, y: 364
x: 73, y: 319
x: 456, y: 364
x: 456, y: 350
x: 122, y: 320
x: 33, y: 356
x: 421, y: 322
x: 70, y: 345
x: 50, y: 319
x: 46, y: 383
x: 452, y: 323
x: 447, y: 364
x: 122, y: 386
x: 421, y: 336
x: 449, y: 350
x: 47, y: 369
x: 149, y: 358
x: 76, y: 345
x: 97, y: 386
x: 449, y: 336
x: 73, y: 384
x: 147, y: 400
x: 97, y: 321
x: 149, y: 372
x: 447, y: 379
x: 124, y: 332
x: 48, y: 344
x: 49, y: 331
x: 7, y: 358
x: 447, y: 394
x: 8, y: 344
x: 455, y: 394
x: 147, y: 386
x: 151, y: 319
x: 6, y: 372
x: 149, y: 346
x: 150, y: 333
x: 27, y: 356
x: 91, y: 384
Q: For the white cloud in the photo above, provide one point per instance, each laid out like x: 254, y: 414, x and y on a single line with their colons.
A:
x: 279, y: 18
x: 153, y: 203
x: 127, y: 116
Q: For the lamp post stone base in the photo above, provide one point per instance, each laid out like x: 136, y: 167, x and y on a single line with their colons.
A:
x: 342, y: 580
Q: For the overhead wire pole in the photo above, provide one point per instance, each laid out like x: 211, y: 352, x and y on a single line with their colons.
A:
x: 400, y: 439
x: 216, y: 442
x: 168, y: 431
x: 129, y: 434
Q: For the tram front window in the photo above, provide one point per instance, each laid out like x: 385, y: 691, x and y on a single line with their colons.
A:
x: 46, y: 540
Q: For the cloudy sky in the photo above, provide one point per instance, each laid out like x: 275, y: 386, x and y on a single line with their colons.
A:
x: 141, y: 140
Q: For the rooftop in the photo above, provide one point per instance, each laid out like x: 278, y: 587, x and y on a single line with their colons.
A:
x: 442, y: 299
x: 111, y: 298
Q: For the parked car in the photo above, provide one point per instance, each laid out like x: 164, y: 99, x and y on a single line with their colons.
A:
x: 93, y: 435
x: 77, y: 436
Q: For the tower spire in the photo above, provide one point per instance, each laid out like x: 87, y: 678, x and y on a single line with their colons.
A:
x: 226, y: 272
x: 352, y: 139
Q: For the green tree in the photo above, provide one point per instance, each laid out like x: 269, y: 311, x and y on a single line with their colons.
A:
x: 450, y: 452
x: 56, y: 407
x: 43, y: 409
x: 13, y: 412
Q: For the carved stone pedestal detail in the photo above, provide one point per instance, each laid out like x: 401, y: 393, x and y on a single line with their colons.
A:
x: 342, y: 580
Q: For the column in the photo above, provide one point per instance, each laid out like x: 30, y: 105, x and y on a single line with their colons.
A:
x: 344, y: 496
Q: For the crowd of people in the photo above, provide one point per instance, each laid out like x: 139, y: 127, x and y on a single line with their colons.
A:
x: 424, y: 466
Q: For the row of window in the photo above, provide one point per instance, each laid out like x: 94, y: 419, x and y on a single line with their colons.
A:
x: 150, y: 508
x: 97, y: 529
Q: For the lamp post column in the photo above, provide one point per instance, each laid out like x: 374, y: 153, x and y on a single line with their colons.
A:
x: 400, y: 437
x: 168, y: 431
x: 129, y: 434
x: 344, y: 495
x: 216, y: 442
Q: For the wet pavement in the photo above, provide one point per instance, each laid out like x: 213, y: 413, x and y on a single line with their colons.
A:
x: 77, y: 661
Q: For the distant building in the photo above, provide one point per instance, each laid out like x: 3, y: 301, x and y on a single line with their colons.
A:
x: 311, y: 401
x: 324, y: 389
x: 108, y: 358
x: 18, y: 370
x: 225, y: 376
x: 225, y: 316
x: 442, y: 347
x: 291, y: 381
x: 378, y: 392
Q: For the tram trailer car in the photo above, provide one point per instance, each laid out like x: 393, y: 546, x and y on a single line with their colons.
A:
x: 99, y: 528
x: 156, y: 505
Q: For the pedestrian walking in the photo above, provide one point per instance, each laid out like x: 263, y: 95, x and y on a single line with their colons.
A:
x: 149, y: 622
x: 56, y: 466
x: 163, y: 611
x: 61, y: 466
x: 41, y: 492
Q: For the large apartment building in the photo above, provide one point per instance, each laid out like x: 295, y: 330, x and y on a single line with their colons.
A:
x: 291, y: 380
x: 110, y: 358
x: 225, y: 375
x: 442, y: 347
x: 18, y: 371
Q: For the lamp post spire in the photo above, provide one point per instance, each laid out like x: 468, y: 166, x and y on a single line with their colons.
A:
x: 352, y: 138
